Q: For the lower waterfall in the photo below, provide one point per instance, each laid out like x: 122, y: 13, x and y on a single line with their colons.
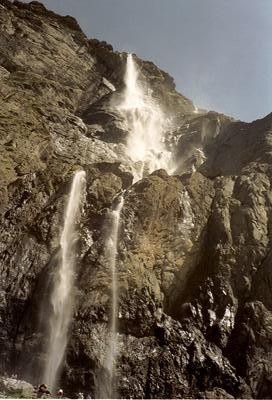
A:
x: 111, y: 252
x: 62, y: 295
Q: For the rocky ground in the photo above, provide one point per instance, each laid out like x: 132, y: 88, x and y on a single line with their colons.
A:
x: 194, y: 256
x: 11, y: 388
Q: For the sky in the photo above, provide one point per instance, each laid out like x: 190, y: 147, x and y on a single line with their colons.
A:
x: 218, y: 51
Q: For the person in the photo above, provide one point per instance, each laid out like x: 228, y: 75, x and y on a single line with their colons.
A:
x: 60, y: 394
x: 43, y: 391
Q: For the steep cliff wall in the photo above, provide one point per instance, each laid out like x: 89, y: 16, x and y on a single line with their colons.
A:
x: 194, y: 253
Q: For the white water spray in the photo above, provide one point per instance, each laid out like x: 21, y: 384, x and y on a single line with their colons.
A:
x: 146, y: 125
x: 111, y: 252
x: 62, y: 297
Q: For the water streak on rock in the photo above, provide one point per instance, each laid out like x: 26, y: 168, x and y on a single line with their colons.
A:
x: 111, y: 252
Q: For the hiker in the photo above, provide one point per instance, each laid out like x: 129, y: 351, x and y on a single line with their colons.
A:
x: 43, y: 391
x: 60, y: 394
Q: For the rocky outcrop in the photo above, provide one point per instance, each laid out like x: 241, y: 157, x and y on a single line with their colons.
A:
x: 195, y: 311
x: 13, y: 388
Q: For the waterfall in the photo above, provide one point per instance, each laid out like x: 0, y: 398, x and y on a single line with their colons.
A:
x: 111, y: 252
x: 145, y: 123
x: 62, y: 295
x: 187, y: 223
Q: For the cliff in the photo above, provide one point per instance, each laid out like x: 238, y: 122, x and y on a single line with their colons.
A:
x: 194, y: 252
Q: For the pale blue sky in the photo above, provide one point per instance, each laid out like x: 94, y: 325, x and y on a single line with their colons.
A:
x: 218, y: 51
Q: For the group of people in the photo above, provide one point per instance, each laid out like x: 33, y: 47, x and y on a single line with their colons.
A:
x: 44, y: 393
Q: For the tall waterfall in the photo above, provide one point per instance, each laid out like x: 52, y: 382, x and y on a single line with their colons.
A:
x: 111, y: 252
x: 62, y: 295
x: 146, y: 124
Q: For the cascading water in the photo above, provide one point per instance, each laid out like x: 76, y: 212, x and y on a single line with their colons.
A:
x: 111, y: 256
x: 62, y: 295
x: 146, y: 125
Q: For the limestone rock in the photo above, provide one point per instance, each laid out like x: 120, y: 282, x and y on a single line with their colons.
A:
x: 13, y: 388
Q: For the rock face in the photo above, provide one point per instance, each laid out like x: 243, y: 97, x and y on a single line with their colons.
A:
x: 13, y: 388
x: 194, y: 254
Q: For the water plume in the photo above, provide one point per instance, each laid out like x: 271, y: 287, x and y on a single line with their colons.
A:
x: 62, y: 300
x: 146, y: 125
